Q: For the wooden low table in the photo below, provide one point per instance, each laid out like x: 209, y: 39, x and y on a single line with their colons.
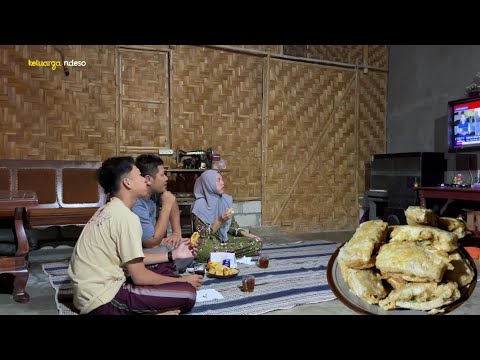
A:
x: 17, y: 265
x: 449, y: 193
x: 453, y: 193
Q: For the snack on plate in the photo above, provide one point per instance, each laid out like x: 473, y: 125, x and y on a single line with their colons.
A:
x: 429, y: 237
x: 457, y: 226
x: 221, y: 270
x: 194, y: 238
x: 417, y: 267
x: 412, y: 262
x: 359, y: 252
x: 422, y: 296
x: 416, y: 215
x: 366, y: 284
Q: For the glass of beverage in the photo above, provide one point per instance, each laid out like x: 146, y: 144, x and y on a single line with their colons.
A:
x: 263, y: 261
x: 248, y: 283
x: 199, y: 270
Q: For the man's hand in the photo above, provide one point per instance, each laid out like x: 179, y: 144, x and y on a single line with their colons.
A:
x: 168, y: 198
x: 183, y: 251
x: 173, y: 241
x: 194, y: 280
x: 186, y: 242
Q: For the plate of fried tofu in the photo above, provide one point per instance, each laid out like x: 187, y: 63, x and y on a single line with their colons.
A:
x: 404, y: 270
x: 220, y: 271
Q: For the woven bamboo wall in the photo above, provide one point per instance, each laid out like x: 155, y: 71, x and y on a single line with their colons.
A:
x: 144, y: 99
x: 308, y: 119
x: 47, y: 115
x: 314, y: 184
x: 272, y: 49
x: 372, y: 114
x: 310, y: 161
x: 378, y: 56
x: 217, y: 103
x: 371, y: 55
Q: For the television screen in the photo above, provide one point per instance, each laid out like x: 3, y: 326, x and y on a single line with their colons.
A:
x: 464, y: 125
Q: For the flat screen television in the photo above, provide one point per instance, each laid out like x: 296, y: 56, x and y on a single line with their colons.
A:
x: 464, y: 125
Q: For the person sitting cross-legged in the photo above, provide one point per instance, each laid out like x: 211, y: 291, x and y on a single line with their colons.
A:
x: 213, y: 215
x: 153, y: 229
x: 111, y: 275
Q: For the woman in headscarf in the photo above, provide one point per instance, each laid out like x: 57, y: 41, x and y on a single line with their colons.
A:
x: 213, y: 219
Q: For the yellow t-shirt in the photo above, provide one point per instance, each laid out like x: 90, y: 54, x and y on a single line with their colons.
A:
x: 111, y: 238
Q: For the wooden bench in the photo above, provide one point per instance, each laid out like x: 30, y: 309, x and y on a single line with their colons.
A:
x: 68, y: 193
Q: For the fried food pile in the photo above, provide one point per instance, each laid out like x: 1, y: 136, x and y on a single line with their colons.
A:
x: 415, y: 266
x: 221, y: 270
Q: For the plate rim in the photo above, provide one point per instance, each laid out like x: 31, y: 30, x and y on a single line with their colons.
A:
x: 466, y: 292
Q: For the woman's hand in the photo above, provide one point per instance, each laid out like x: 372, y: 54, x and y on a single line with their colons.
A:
x: 250, y: 235
x: 225, y: 216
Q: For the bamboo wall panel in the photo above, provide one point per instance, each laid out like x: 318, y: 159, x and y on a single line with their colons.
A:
x: 338, y: 53
x: 144, y: 124
x: 377, y: 55
x: 217, y: 102
x: 310, y: 124
x: 356, y: 55
x: 47, y: 115
x: 272, y: 49
x: 23, y: 119
x: 295, y: 50
x: 144, y: 99
x: 144, y: 75
x: 307, y: 112
x: 372, y: 114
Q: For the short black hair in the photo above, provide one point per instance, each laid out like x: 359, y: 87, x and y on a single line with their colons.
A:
x: 112, y: 171
x: 148, y: 164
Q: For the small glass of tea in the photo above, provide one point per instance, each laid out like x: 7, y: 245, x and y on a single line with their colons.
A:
x: 199, y: 270
x: 263, y: 261
x: 248, y: 283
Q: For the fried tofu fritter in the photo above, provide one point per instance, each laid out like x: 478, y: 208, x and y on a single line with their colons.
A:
x: 412, y: 262
x: 426, y: 296
x: 359, y: 252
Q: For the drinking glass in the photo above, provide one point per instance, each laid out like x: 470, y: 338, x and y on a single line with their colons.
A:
x: 248, y: 283
x: 263, y: 261
x: 199, y: 270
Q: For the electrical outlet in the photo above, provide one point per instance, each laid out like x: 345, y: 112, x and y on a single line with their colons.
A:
x: 165, y: 151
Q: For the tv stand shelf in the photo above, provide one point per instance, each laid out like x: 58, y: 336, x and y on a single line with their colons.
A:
x: 437, y: 192
x: 450, y: 193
